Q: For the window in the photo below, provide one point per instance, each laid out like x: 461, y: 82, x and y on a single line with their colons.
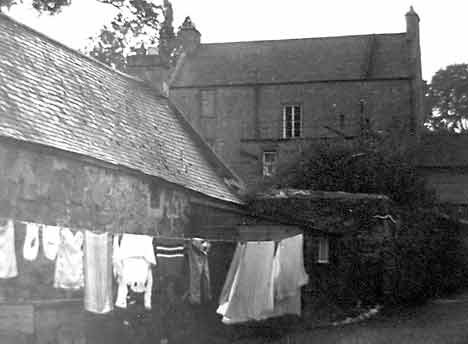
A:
x: 155, y: 194
x: 208, y: 114
x: 323, y: 251
x: 269, y: 163
x: 208, y: 103
x: 292, y: 121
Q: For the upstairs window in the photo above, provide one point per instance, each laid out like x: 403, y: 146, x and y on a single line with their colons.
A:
x: 207, y: 98
x: 269, y: 163
x: 292, y: 121
x: 208, y: 120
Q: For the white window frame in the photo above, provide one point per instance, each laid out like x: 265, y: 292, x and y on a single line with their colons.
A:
x: 296, y: 123
x: 267, y: 164
x: 323, y: 255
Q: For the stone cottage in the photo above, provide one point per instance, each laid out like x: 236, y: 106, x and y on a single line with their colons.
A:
x: 86, y: 147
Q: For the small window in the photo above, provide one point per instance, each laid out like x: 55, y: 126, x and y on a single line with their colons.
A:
x: 292, y: 121
x: 155, y: 194
x: 342, y: 121
x: 323, y: 251
x: 208, y: 103
x: 269, y: 163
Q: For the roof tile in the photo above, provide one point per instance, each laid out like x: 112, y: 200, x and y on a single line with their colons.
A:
x: 52, y: 95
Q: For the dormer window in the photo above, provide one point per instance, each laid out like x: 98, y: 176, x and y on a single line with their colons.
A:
x: 292, y: 121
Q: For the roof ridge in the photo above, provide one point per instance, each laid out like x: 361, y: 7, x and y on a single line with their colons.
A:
x: 306, y: 38
x: 66, y: 47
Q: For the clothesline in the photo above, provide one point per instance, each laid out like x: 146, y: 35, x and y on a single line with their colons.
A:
x: 161, y: 237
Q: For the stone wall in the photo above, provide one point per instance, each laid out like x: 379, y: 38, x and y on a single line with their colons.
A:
x: 252, y: 115
x: 50, y: 188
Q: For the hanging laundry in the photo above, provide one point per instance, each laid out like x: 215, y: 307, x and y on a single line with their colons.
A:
x: 200, y: 289
x: 288, y: 277
x: 251, y: 295
x: 98, y: 272
x: 232, y: 275
x: 31, y: 241
x: 133, y: 258
x: 8, y: 266
x: 170, y: 255
x: 50, y: 241
x: 69, y: 262
x: 290, y: 274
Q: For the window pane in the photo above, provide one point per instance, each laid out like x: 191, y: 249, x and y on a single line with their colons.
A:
x: 269, y: 163
x: 297, y: 121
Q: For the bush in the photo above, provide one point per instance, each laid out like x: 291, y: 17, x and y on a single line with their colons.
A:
x: 423, y: 257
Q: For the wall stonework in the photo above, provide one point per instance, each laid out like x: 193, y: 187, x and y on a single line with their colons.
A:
x: 249, y: 118
x: 48, y: 188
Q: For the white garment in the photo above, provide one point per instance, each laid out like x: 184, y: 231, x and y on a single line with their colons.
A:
x: 8, y: 267
x: 132, y: 265
x: 31, y: 242
x: 290, y: 273
x: 69, y: 263
x: 97, y: 273
x: 50, y: 241
x: 251, y: 295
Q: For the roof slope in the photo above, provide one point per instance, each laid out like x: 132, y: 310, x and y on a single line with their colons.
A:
x: 52, y: 95
x: 296, y: 60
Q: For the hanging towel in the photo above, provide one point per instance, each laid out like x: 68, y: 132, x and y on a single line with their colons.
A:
x: 200, y: 288
x: 252, y: 294
x: 290, y: 274
x: 50, y: 241
x: 69, y: 262
x: 31, y: 242
x: 133, y: 258
x: 97, y: 273
x: 8, y: 267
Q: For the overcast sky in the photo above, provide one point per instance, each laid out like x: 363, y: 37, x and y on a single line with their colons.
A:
x: 443, y: 23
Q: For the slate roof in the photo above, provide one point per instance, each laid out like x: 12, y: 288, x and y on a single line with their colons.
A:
x: 296, y: 60
x: 443, y: 150
x: 55, y: 96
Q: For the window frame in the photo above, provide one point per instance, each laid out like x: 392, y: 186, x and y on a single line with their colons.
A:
x: 296, y: 124
x: 272, y: 164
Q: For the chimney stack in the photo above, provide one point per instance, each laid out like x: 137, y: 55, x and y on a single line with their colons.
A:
x: 412, y: 24
x: 414, y: 59
x: 189, y: 36
x: 152, y: 68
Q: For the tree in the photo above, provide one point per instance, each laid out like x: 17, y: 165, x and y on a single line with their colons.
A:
x: 447, y: 99
x: 135, y: 27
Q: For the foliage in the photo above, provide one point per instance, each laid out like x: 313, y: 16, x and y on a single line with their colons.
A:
x: 136, y: 27
x: 377, y: 167
x: 447, y: 99
x: 418, y: 258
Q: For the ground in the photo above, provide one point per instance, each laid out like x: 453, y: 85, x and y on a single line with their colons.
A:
x: 439, y: 321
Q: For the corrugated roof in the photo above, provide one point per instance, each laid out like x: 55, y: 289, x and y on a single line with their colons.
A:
x: 296, y: 60
x: 55, y: 96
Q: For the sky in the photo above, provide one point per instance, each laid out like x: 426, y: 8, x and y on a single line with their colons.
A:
x: 443, y: 24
